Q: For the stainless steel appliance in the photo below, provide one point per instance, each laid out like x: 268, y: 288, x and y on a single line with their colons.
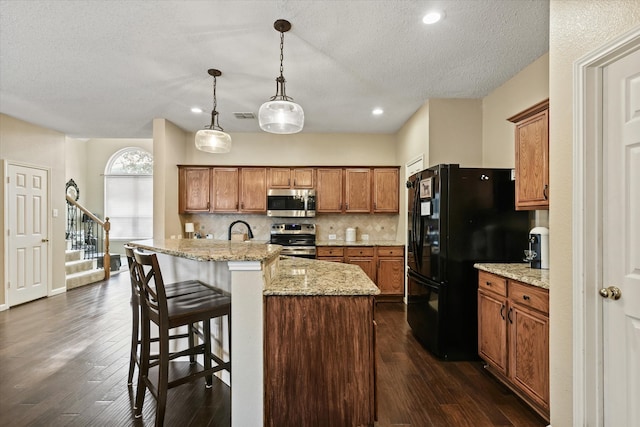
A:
x: 292, y: 203
x: 457, y: 217
x: 296, y: 239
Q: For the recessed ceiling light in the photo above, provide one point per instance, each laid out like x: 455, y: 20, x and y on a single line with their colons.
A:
x: 432, y: 17
x: 377, y: 111
x: 196, y: 110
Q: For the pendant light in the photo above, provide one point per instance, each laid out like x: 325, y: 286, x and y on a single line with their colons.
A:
x: 212, y: 138
x: 280, y: 114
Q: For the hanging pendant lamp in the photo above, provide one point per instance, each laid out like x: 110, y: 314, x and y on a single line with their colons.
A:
x: 280, y: 114
x: 212, y: 138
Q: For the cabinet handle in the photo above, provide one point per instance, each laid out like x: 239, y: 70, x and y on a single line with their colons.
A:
x: 545, y: 191
x: 294, y: 182
x: 346, y: 206
x: 375, y: 206
x: 509, y: 315
x: 488, y: 283
x: 526, y: 297
x: 502, y: 311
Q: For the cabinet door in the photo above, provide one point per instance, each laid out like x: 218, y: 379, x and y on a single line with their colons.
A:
x: 391, y: 275
x: 253, y: 190
x: 357, y: 190
x: 329, y: 191
x: 385, y: 190
x: 279, y: 177
x: 532, y: 162
x: 225, y: 189
x: 194, y: 189
x: 492, y: 329
x: 303, y: 177
x: 529, y: 352
x: 367, y: 265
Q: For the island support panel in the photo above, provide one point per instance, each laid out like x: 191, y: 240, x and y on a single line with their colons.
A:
x: 319, y: 361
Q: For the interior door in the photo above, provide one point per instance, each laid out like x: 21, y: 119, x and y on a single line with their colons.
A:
x: 621, y: 241
x: 28, y: 204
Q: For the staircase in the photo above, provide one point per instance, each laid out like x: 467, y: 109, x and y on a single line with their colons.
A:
x: 80, y: 272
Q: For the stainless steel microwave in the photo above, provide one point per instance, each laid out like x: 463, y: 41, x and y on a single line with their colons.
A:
x: 291, y: 203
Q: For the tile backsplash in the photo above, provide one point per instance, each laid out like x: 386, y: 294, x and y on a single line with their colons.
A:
x: 378, y: 226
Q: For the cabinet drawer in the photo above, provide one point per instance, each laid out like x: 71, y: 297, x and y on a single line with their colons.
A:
x: 529, y: 296
x: 329, y: 251
x: 391, y: 251
x: 493, y: 283
x: 360, y: 251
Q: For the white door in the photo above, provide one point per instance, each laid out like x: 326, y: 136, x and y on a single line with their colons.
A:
x: 28, y: 204
x: 621, y: 241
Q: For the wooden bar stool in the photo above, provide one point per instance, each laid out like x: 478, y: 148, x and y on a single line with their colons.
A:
x: 166, y: 314
x: 172, y: 290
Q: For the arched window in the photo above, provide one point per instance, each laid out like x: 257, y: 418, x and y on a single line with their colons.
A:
x: 128, y: 194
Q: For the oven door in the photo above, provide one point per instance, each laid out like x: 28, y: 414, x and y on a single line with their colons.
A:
x: 299, y: 251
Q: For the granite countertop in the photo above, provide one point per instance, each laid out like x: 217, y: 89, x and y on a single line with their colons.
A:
x: 359, y: 243
x: 301, y: 276
x: 211, y: 250
x: 520, y: 272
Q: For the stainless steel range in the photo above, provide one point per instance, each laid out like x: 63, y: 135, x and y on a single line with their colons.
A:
x: 296, y: 239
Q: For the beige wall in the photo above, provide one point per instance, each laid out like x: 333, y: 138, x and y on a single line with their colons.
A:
x: 75, y: 164
x: 25, y: 143
x: 527, y: 88
x: 576, y: 28
x: 455, y: 132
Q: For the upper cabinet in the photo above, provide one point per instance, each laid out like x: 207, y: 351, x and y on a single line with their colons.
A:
x: 222, y: 189
x: 198, y: 181
x: 357, y: 190
x: 225, y: 189
x: 291, y: 177
x: 385, y: 190
x: 532, y: 157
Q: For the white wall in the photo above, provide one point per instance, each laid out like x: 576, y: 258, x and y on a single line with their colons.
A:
x: 576, y: 28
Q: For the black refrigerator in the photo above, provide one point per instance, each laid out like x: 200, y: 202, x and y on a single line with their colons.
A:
x: 457, y: 217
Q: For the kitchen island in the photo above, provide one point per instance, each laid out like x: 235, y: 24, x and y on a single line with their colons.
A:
x: 302, y: 339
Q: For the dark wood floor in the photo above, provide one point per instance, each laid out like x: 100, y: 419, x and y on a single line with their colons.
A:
x: 64, y: 361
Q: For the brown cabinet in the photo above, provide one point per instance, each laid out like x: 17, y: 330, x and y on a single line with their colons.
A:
x: 364, y: 256
x: 383, y: 264
x: 357, y: 190
x: 253, y: 190
x: 390, y: 270
x: 330, y: 253
x: 385, y: 190
x: 532, y: 157
x: 513, y: 336
x: 329, y: 190
x: 291, y: 177
x: 225, y: 189
x: 318, y: 371
x: 195, y: 190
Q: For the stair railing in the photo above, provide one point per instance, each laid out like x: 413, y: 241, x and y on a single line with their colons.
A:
x: 88, y: 233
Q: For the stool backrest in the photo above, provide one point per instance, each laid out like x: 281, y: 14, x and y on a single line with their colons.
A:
x: 153, y: 297
x: 133, y: 271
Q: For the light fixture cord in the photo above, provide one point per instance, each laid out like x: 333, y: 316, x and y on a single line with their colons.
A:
x: 214, y: 114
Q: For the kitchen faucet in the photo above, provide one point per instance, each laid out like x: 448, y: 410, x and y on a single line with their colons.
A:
x: 243, y: 222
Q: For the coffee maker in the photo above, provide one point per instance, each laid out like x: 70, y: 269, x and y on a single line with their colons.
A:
x: 538, y: 253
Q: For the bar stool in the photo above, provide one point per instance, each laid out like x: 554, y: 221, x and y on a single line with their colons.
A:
x: 166, y: 314
x: 172, y: 290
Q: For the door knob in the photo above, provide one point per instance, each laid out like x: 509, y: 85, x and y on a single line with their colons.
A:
x: 45, y: 240
x: 612, y: 292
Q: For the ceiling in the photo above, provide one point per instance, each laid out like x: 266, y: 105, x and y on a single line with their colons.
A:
x: 106, y: 69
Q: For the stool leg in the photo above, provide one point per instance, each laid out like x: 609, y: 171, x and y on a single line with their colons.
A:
x: 229, y: 332
x: 163, y: 375
x: 143, y: 369
x: 207, y: 351
x: 135, y: 325
x: 191, y: 343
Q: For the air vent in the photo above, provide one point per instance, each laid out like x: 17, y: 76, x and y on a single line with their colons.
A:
x: 244, y: 115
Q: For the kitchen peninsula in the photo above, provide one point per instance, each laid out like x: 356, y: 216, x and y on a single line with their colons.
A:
x: 302, y: 330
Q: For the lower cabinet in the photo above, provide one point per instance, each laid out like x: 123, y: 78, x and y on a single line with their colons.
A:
x: 319, y: 361
x: 513, y: 336
x: 383, y: 264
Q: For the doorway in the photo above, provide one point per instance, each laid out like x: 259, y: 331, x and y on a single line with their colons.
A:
x: 27, y: 261
x: 607, y: 235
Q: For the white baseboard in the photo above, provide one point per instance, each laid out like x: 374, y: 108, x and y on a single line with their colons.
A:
x: 3, y: 307
x: 57, y: 291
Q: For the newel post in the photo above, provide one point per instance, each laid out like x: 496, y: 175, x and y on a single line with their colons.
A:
x: 106, y: 260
